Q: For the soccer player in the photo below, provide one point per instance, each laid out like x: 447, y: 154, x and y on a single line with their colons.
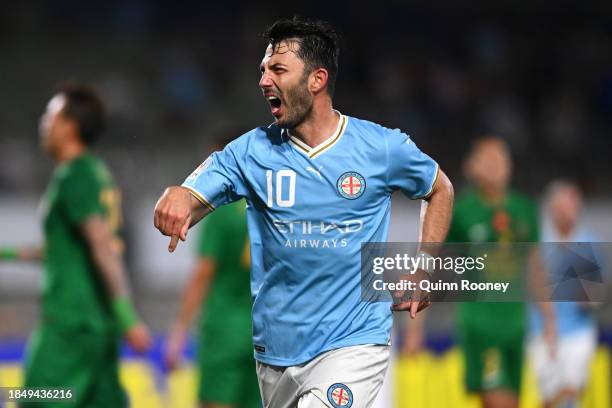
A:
x: 221, y: 278
x: 85, y: 305
x: 318, y: 184
x: 563, y: 375
x: 492, y: 212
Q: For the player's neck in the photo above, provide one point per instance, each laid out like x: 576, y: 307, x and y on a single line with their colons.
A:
x: 321, y: 124
x: 69, y: 152
x: 493, y: 195
x: 565, y: 232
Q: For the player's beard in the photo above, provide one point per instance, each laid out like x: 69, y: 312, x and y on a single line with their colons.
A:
x: 297, y: 104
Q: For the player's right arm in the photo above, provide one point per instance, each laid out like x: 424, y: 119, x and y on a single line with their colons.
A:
x: 194, y: 293
x: 219, y: 180
x: 176, y: 211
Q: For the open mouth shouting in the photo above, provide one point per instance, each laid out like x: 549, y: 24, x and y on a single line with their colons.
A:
x: 275, y: 104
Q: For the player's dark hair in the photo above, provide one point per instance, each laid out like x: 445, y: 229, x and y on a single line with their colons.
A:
x: 84, y: 106
x: 319, y: 44
x: 488, y: 138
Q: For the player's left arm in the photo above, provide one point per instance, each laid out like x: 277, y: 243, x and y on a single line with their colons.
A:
x: 21, y: 254
x: 105, y: 255
x: 418, y: 176
x: 94, y: 208
x: 109, y: 263
x: 436, y: 211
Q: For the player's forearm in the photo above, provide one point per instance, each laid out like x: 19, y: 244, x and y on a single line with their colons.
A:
x: 548, y: 313
x: 106, y: 258
x: 110, y: 266
x: 195, y: 292
x: 108, y: 262
x: 23, y: 254
x: 198, y: 210
x: 436, y: 211
x: 189, y: 304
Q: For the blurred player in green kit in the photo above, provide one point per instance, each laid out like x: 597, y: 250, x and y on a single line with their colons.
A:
x: 85, y: 304
x: 221, y: 282
x: 492, y: 334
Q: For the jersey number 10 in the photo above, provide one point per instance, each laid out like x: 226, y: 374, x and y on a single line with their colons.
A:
x: 280, y: 175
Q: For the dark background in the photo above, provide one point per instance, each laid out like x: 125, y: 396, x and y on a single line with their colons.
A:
x: 175, y: 75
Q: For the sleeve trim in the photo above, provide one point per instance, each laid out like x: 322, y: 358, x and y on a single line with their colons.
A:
x: 200, y: 198
x: 433, y: 183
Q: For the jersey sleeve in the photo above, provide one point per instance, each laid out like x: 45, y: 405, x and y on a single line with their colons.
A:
x: 220, y: 179
x: 409, y: 169
x: 81, y: 196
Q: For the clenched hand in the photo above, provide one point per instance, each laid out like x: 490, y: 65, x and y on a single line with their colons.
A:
x: 173, y: 214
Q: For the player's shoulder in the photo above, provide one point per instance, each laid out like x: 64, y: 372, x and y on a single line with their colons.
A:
x: 258, y: 137
x: 375, y: 136
x: 87, y: 168
x: 367, y: 127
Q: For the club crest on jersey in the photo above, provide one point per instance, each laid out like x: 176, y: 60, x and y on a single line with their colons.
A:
x: 339, y: 395
x: 351, y: 185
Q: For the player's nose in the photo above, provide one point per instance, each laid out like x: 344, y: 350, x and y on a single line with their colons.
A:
x: 265, y: 81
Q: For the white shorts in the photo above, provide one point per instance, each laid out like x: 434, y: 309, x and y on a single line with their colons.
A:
x: 570, y: 366
x: 346, y: 377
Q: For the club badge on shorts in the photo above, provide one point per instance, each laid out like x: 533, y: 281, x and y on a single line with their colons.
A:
x: 351, y: 185
x: 339, y: 395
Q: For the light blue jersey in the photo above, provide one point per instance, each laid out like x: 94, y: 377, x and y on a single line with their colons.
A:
x: 570, y: 317
x: 309, y: 210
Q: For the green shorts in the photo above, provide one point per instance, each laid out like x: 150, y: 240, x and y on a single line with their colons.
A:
x: 86, y: 362
x: 492, y: 363
x: 227, y: 369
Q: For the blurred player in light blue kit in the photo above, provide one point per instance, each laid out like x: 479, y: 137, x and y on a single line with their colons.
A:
x: 317, y: 184
x: 563, y: 375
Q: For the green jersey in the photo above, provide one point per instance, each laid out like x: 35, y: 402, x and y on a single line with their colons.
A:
x: 227, y: 366
x: 73, y: 292
x: 224, y: 238
x: 513, y: 220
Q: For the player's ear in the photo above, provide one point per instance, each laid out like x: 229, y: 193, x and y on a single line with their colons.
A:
x: 67, y: 127
x: 318, y: 80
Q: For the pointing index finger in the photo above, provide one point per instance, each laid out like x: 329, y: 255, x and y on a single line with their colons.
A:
x: 173, y: 242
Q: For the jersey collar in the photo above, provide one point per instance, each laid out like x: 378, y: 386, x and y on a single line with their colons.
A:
x: 322, y: 147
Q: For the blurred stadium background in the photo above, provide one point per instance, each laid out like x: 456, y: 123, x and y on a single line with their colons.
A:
x: 174, y: 76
